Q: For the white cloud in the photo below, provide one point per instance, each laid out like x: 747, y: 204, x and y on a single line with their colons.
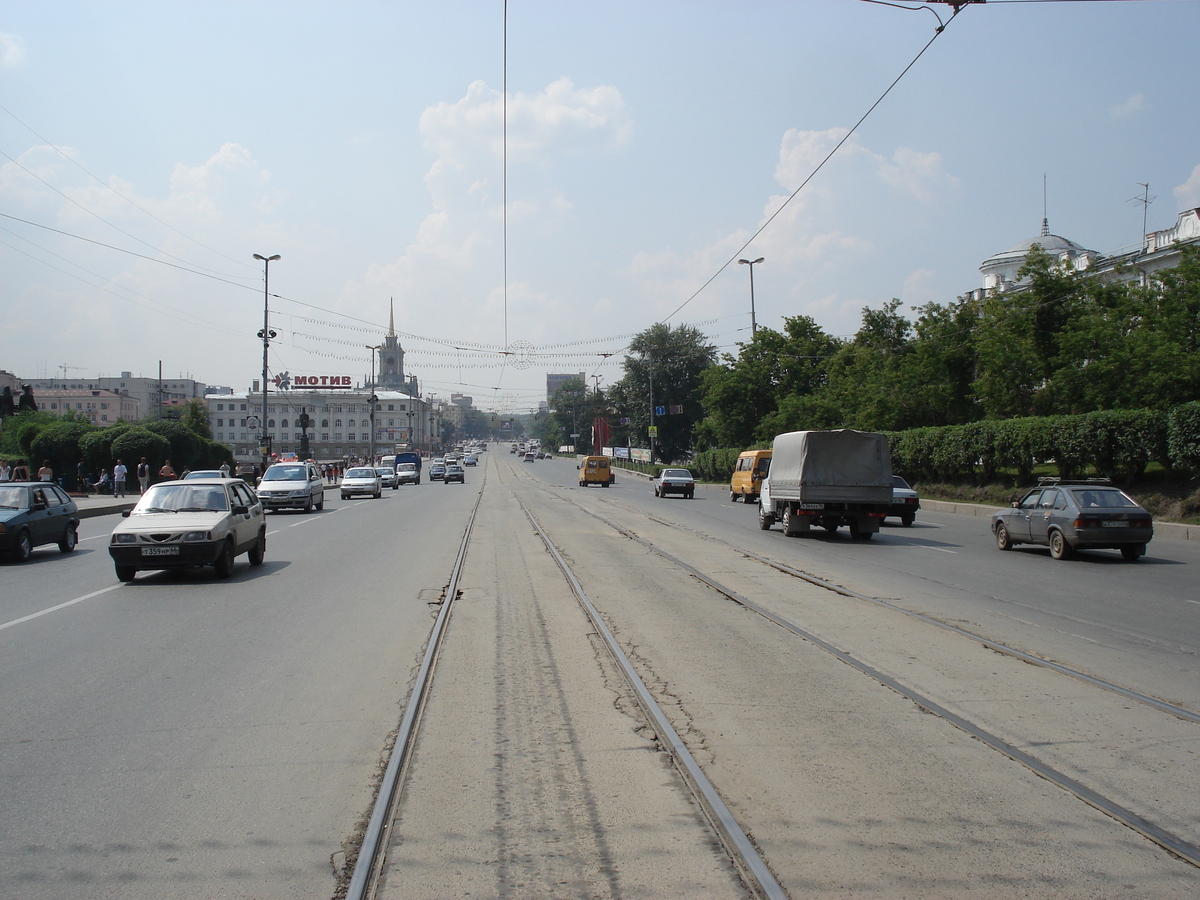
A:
x: 1188, y: 193
x: 12, y: 51
x: 1130, y: 107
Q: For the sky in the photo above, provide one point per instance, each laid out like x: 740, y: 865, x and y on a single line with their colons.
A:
x: 149, y: 150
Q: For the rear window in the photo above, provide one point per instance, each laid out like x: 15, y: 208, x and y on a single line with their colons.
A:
x: 361, y: 473
x: 1102, y: 498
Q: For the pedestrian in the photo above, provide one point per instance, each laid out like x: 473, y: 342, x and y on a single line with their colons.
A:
x: 143, y: 476
x: 45, y: 473
x: 101, y: 486
x: 5, y: 471
x: 119, y: 473
x: 166, y: 473
x: 81, y: 482
x: 20, y: 471
x: 224, y: 470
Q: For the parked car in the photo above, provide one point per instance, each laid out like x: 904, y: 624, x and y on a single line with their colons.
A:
x: 361, y: 480
x: 455, y: 472
x: 33, y: 513
x: 294, y: 485
x: 674, y: 481
x: 186, y: 523
x: 408, y: 473
x: 1075, y: 515
x: 387, y: 476
x: 437, y: 471
x: 905, y: 501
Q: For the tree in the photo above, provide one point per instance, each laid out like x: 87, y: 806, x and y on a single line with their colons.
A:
x: 140, y: 442
x: 185, y: 444
x: 195, y: 417
x: 665, y: 365
x: 570, y: 413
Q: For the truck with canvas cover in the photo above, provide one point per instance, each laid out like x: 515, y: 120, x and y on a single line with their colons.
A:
x: 827, y: 479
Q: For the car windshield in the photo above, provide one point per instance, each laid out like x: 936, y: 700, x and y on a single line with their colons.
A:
x: 407, y: 467
x: 14, y: 498
x: 898, y: 482
x: 179, y: 496
x: 676, y: 473
x: 1102, y: 498
x: 204, y: 473
x: 286, y: 473
x: 361, y: 473
x: 383, y: 470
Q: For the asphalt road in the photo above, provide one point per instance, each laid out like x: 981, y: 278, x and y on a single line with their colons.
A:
x: 183, y: 736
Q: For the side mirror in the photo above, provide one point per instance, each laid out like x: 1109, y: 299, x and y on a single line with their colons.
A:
x: 1016, y: 504
x: 241, y: 510
x: 125, y: 513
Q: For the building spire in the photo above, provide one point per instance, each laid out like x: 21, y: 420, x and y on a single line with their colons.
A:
x: 1045, y: 219
x: 391, y: 317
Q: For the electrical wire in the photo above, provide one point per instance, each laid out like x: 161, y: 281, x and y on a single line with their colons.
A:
x: 811, y: 175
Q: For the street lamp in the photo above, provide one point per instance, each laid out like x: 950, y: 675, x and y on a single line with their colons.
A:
x: 751, y: 263
x: 373, y: 400
x: 266, y: 334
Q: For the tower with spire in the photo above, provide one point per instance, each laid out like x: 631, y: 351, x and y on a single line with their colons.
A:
x: 391, y: 356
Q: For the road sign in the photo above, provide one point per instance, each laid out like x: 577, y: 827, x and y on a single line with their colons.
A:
x: 660, y: 410
x: 653, y: 431
x: 252, y: 423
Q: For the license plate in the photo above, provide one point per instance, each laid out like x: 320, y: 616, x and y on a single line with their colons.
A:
x: 1114, y: 524
x: 812, y: 505
x: 160, y: 551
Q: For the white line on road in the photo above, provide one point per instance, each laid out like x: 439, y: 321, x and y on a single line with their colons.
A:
x: 60, y: 606
x: 941, y: 549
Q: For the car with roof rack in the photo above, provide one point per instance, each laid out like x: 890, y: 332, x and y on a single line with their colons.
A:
x: 1069, y: 515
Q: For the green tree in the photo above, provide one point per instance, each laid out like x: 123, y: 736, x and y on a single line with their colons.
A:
x: 140, y: 442
x: 195, y: 417
x: 185, y: 444
x: 58, y: 444
x: 570, y: 413
x: 664, y: 368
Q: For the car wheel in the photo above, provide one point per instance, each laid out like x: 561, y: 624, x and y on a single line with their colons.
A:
x: 126, y: 573
x: 732, y: 497
x: 308, y: 504
x: 224, y: 563
x: 1003, y: 541
x: 321, y: 500
x: 345, y: 496
x: 1133, y: 552
x: 907, y: 521
x: 378, y: 494
x: 691, y: 494
x: 24, y: 547
x: 259, y: 551
x: 69, y: 539
x: 765, y: 519
x: 1059, y: 548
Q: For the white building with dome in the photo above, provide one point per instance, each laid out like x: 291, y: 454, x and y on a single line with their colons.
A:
x: 1159, y: 250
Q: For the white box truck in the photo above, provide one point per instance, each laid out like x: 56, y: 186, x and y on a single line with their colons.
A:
x: 827, y: 479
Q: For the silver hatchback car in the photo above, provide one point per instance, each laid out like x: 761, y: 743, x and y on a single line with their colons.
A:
x: 1075, y: 515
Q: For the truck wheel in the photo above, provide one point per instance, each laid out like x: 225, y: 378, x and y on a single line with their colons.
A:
x: 732, y: 497
x: 858, y: 533
x: 765, y: 519
x: 789, y: 521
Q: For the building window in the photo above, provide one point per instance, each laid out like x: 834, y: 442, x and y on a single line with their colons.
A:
x: 270, y: 423
x: 324, y: 423
x: 324, y: 435
x: 337, y: 437
x: 337, y: 423
x: 243, y: 407
x: 220, y: 406
x: 351, y: 437
x: 283, y: 424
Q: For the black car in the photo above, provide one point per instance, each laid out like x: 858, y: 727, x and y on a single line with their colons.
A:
x: 1075, y: 515
x: 33, y: 513
x: 455, y: 472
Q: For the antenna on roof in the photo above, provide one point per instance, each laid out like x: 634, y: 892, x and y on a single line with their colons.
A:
x: 1145, y: 199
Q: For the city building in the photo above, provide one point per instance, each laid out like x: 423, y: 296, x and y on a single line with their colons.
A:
x: 1159, y: 250
x: 340, y: 419
x: 556, y: 381
x: 150, y: 393
x: 99, y: 406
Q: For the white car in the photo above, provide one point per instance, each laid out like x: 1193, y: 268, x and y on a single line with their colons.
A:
x: 387, y: 476
x: 180, y: 524
x: 292, y: 484
x: 674, y: 481
x: 361, y: 480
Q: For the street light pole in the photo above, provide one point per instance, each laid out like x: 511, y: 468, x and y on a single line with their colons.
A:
x: 372, y: 401
x: 752, y: 263
x: 266, y: 334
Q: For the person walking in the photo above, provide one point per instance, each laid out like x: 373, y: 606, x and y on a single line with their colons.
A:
x: 143, y: 476
x: 224, y: 470
x: 45, y: 473
x: 166, y: 473
x: 119, y: 473
x: 20, y: 471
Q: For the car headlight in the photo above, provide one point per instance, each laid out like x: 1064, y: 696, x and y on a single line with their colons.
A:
x: 124, y: 538
x: 299, y: 493
x: 198, y: 536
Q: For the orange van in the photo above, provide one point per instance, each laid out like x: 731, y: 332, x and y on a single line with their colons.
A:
x: 748, y: 474
x: 595, y: 470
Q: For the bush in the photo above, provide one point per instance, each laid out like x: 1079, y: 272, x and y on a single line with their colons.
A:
x: 1183, y: 436
x: 186, y: 445
x: 137, y: 442
x: 59, y: 444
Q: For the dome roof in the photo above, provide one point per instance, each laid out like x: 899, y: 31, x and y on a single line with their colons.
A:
x: 1052, y: 244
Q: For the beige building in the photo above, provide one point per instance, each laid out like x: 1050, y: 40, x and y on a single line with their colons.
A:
x: 101, y: 407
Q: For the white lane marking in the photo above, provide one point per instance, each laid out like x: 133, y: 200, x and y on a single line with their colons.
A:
x: 941, y: 549
x: 60, y: 606
x: 94, y: 537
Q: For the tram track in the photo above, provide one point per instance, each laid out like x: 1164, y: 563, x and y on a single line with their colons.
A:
x: 1178, y: 846
x: 743, y: 852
